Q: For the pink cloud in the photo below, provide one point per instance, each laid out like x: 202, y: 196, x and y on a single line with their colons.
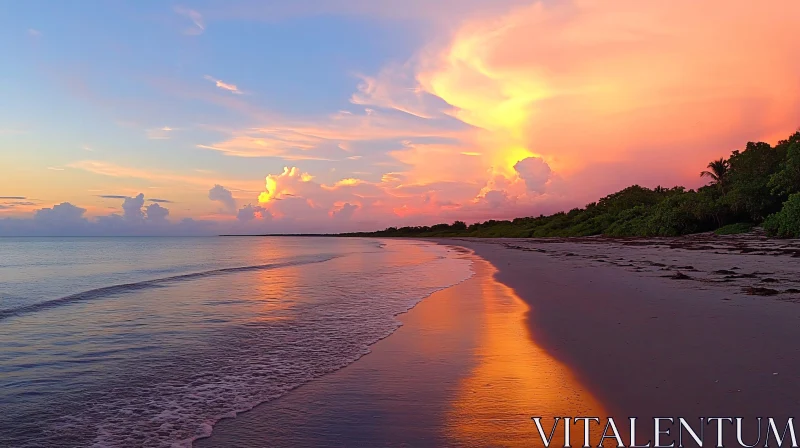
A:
x: 588, y: 82
x: 588, y: 96
x: 535, y: 172
x: 516, y: 108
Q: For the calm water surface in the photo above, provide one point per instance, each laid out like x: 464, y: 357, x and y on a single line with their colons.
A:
x: 125, y: 342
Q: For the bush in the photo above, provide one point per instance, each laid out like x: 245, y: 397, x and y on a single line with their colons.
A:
x: 733, y: 229
x: 631, y: 222
x: 679, y: 215
x: 785, y: 223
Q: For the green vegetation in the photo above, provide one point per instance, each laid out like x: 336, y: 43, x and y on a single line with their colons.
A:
x: 785, y: 223
x: 735, y: 229
x: 760, y: 184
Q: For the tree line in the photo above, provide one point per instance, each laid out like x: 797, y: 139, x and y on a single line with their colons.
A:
x: 759, y: 185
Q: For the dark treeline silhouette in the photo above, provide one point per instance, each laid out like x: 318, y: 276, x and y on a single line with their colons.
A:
x: 757, y: 186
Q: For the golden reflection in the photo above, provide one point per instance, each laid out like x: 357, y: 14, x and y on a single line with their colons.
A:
x: 514, y: 379
x: 273, y: 298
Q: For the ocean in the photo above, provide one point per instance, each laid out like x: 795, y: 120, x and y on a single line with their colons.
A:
x: 122, y: 342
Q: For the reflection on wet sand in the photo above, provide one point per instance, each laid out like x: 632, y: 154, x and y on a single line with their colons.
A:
x: 462, y: 371
x: 514, y: 379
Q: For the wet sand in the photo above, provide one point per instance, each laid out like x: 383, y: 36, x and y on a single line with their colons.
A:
x: 686, y: 327
x: 463, y: 370
x: 673, y: 327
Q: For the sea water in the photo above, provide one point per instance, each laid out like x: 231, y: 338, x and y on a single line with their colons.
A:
x: 121, y: 342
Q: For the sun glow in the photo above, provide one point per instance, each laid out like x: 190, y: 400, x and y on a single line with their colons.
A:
x: 497, y: 99
x: 272, y: 188
x: 509, y: 157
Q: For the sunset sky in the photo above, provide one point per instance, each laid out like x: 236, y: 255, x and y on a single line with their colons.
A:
x: 241, y: 116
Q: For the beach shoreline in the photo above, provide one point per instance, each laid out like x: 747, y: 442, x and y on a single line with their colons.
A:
x: 642, y: 328
x: 462, y: 370
x: 663, y: 327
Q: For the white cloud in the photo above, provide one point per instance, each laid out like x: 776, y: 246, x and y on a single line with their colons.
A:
x: 224, y: 85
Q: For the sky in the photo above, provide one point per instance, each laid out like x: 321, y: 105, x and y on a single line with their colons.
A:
x: 250, y: 116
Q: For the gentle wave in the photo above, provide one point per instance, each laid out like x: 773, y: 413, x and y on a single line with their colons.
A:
x: 124, y: 288
x: 159, y: 367
x: 208, y: 426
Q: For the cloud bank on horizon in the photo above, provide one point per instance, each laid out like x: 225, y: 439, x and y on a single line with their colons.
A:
x: 355, y: 115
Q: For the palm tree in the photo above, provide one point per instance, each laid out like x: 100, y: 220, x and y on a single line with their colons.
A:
x: 718, y: 170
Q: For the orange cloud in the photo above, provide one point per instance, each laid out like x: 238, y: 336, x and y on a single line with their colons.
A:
x: 548, y: 106
x: 590, y: 81
x: 288, y: 183
x: 575, y: 99
x: 429, y: 163
x: 282, y: 143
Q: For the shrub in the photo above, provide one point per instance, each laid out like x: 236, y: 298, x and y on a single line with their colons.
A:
x: 785, y: 223
x: 679, y: 215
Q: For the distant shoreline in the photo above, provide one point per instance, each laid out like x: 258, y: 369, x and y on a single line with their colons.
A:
x: 755, y: 233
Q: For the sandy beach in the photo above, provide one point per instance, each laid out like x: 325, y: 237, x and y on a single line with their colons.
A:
x: 461, y: 371
x: 690, y: 327
x: 695, y: 326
